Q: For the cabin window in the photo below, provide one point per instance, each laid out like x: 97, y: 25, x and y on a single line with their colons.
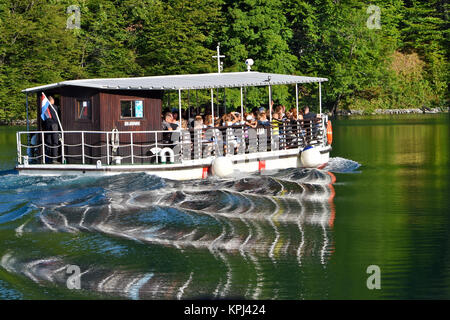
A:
x: 131, y: 109
x: 84, y: 109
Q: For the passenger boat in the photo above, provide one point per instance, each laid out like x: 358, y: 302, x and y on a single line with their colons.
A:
x: 112, y: 126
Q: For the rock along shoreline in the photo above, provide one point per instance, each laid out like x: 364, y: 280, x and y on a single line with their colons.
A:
x: 392, y: 111
x: 33, y: 122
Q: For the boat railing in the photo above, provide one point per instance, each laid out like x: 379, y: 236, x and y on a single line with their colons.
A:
x: 156, y: 147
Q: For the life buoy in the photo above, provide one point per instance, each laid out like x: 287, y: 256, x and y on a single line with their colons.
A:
x: 167, y: 151
x: 329, y: 133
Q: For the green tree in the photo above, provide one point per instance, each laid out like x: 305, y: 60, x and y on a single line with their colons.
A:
x: 403, y: 64
x: 172, y: 37
x: 34, y: 49
x: 105, y: 40
x: 425, y: 30
x: 257, y: 29
x: 333, y: 40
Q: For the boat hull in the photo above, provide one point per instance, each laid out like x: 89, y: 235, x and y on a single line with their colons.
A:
x: 187, y: 170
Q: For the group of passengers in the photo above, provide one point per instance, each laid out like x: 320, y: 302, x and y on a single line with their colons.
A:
x: 256, y: 118
x: 288, y: 125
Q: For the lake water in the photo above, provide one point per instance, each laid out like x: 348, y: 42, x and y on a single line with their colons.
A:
x: 383, y: 200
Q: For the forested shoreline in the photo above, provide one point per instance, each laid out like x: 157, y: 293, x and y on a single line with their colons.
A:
x: 377, y: 55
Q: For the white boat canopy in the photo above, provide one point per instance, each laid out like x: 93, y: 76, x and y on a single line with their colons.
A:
x: 184, y: 82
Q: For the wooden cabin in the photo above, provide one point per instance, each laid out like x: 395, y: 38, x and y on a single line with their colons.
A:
x: 93, y: 109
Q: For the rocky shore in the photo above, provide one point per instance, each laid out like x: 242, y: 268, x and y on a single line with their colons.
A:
x: 392, y: 111
x: 33, y: 122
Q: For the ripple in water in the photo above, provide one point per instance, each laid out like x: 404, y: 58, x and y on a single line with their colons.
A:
x: 137, y: 236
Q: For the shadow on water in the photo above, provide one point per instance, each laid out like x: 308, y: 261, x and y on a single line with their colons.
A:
x: 8, y: 172
x: 137, y: 236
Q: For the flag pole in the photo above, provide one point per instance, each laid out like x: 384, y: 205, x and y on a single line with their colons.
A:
x: 60, y: 126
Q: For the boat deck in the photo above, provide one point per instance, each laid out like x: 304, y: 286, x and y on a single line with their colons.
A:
x: 165, y: 152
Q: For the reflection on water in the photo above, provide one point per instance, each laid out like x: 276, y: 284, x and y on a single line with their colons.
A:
x: 229, y: 235
x: 293, y: 234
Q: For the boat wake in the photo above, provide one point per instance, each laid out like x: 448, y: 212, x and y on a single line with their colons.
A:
x: 342, y: 165
x: 137, y: 236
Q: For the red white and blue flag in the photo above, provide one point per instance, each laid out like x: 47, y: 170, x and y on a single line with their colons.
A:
x: 45, y: 111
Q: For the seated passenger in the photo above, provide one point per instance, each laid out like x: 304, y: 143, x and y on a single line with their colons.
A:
x: 276, y: 123
x: 250, y: 120
x: 186, y: 140
x: 308, y: 115
x: 184, y: 124
x: 239, y: 119
x: 309, y: 122
x: 168, y: 124
x: 208, y: 121
x: 283, y: 112
x: 198, y: 122
x: 168, y: 121
x: 288, y: 115
x: 262, y: 119
x: 279, y: 109
x: 175, y: 114
x: 228, y: 119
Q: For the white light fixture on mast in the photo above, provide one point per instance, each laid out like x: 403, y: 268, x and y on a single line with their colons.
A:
x: 249, y: 63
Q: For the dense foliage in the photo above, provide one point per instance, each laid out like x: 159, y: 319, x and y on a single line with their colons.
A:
x: 393, y: 54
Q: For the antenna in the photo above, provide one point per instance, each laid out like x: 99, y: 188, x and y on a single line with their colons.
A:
x: 219, y: 63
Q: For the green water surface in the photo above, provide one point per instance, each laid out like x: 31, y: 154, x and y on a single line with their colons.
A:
x: 393, y: 212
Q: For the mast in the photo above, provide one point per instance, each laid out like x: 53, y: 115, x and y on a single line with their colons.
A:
x: 218, y: 56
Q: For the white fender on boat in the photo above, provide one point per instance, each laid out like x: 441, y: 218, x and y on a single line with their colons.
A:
x: 115, y: 140
x: 311, y: 157
x: 222, y: 167
x: 163, y: 154
x: 117, y: 159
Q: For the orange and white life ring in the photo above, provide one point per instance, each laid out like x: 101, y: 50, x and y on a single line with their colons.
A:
x: 329, y: 132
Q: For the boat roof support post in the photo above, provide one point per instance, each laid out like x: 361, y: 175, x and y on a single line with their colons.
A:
x: 296, y: 98
x: 242, y: 104
x: 217, y: 94
x: 168, y: 100
x: 320, y: 98
x: 212, y: 105
x: 179, y: 109
x: 224, y: 101
x: 196, y: 103
x: 270, y: 102
x: 28, y: 123
x: 189, y: 105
